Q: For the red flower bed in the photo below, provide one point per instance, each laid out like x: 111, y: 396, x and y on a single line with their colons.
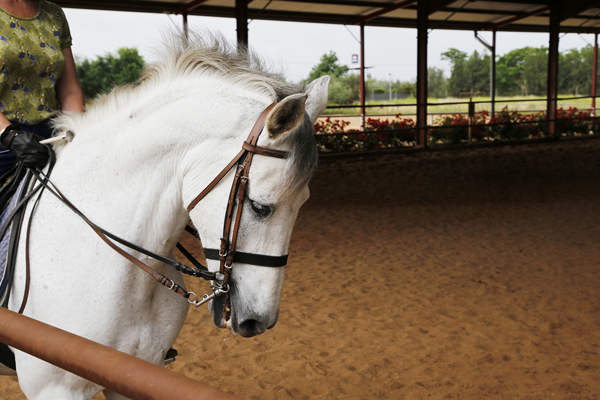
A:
x: 573, y: 121
x: 334, y: 135
x: 455, y: 128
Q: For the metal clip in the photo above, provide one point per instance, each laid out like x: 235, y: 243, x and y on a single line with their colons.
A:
x: 217, y: 291
x: 205, y: 298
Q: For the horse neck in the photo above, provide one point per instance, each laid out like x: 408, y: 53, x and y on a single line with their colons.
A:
x: 137, y: 160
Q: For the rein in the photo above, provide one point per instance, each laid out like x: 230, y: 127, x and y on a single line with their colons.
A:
x: 227, y: 253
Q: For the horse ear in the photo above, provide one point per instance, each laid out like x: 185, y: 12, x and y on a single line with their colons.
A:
x: 317, y: 91
x: 286, y: 115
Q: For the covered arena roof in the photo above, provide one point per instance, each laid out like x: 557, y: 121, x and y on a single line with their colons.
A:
x: 576, y: 16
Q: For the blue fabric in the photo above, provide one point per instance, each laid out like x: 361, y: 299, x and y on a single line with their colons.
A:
x: 8, y: 159
x: 5, y: 240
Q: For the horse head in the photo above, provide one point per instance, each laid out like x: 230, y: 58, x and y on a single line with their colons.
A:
x: 276, y: 189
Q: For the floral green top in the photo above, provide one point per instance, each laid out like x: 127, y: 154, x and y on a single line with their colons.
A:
x: 31, y: 62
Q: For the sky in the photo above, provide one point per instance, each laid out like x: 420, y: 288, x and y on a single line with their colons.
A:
x: 294, y: 48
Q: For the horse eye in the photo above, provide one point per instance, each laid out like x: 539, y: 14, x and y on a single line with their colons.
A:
x: 260, y: 210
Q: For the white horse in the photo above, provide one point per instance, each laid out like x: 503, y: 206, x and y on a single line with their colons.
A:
x: 140, y: 155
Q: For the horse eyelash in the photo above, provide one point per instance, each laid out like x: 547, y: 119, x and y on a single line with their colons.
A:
x: 261, y: 210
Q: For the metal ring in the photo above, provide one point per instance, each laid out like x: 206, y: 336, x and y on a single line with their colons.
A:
x: 192, y: 301
x: 218, y: 290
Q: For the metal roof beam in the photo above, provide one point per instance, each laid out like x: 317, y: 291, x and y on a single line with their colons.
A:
x: 572, y: 8
x: 337, y: 18
x: 383, y: 11
x: 118, y: 5
x: 189, y: 6
x: 508, y: 21
x: 437, y: 5
x: 432, y: 7
x: 352, y: 3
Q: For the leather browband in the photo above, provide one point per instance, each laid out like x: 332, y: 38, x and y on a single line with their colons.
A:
x: 265, y: 151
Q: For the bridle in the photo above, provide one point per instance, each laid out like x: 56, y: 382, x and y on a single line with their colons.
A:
x: 227, y: 254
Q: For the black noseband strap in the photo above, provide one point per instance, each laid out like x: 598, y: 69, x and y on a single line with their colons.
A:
x: 250, y: 258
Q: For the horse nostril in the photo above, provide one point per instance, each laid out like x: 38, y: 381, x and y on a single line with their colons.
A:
x: 251, y: 327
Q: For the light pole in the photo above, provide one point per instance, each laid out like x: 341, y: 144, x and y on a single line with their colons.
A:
x: 390, y: 87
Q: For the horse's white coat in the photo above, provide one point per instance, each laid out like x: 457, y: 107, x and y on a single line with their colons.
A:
x: 138, y: 159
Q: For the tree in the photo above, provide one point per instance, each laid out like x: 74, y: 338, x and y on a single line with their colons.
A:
x: 436, y: 82
x: 406, y: 87
x: 509, y: 69
x: 521, y: 71
x: 575, y: 70
x: 478, y: 72
x: 535, y: 71
x: 457, y: 58
x: 343, y: 88
x: 470, y: 74
x: 328, y: 66
x: 102, y: 74
x: 586, y: 71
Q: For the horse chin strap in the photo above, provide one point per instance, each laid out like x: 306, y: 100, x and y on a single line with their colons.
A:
x: 227, y: 253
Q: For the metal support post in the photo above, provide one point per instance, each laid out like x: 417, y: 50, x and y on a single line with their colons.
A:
x: 185, y: 24
x: 492, y: 50
x: 422, y: 23
x: 493, y: 77
x: 595, y: 75
x: 241, y: 18
x: 362, y: 76
x: 553, y: 70
x: 471, y: 118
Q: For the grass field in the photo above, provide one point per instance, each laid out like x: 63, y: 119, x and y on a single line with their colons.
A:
x: 408, y: 106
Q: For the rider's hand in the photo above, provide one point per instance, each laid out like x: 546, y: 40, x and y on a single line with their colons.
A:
x: 25, y: 146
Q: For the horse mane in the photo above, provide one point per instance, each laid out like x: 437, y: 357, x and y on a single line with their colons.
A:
x: 211, y: 54
x: 208, y: 54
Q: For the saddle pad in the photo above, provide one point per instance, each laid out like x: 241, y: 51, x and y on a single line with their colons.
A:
x: 4, y: 243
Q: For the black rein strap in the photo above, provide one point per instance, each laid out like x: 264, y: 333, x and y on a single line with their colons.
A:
x: 106, y: 236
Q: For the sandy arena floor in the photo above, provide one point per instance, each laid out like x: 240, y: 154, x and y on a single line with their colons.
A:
x: 458, y: 275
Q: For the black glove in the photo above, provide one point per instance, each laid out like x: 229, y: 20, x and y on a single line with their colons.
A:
x: 25, y: 146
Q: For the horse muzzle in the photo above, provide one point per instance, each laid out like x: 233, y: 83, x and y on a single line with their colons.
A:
x: 250, y: 327
x: 241, y: 320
